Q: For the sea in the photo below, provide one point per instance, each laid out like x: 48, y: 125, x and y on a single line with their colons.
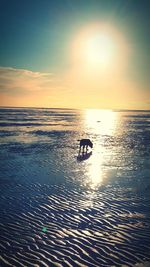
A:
x: 64, y: 207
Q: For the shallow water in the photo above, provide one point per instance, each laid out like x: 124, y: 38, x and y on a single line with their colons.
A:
x: 62, y: 209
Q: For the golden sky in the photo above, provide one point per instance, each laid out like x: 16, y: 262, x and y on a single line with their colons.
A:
x: 96, y: 64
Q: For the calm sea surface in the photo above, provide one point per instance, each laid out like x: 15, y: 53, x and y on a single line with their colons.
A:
x: 59, y: 208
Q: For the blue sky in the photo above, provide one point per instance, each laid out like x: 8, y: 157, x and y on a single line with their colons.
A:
x: 36, y: 34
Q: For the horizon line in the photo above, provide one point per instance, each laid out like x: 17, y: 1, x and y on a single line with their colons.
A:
x: 112, y: 109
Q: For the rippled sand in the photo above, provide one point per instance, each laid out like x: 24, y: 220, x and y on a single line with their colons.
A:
x: 61, y: 210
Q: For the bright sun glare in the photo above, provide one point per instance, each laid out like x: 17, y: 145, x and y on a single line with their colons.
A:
x: 99, y: 46
x: 100, y: 49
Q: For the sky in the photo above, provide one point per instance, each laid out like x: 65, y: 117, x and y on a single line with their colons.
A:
x: 75, y: 54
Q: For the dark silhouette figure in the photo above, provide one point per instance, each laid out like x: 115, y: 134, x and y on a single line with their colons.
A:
x: 85, y: 143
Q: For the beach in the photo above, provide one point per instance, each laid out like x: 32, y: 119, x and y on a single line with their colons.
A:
x: 59, y: 208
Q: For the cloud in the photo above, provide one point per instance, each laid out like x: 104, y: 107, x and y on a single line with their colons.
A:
x: 21, y: 87
x: 21, y: 81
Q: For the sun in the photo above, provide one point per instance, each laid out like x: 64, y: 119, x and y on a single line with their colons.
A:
x: 100, y: 49
x: 99, y: 46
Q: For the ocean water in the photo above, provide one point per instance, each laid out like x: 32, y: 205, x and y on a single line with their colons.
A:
x: 59, y: 208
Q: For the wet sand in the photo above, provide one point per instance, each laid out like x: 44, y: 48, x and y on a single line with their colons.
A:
x: 57, y: 210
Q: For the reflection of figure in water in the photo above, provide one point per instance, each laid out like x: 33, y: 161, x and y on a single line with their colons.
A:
x: 83, y: 154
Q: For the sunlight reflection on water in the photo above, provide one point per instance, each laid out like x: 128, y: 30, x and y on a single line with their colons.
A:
x: 99, y: 123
